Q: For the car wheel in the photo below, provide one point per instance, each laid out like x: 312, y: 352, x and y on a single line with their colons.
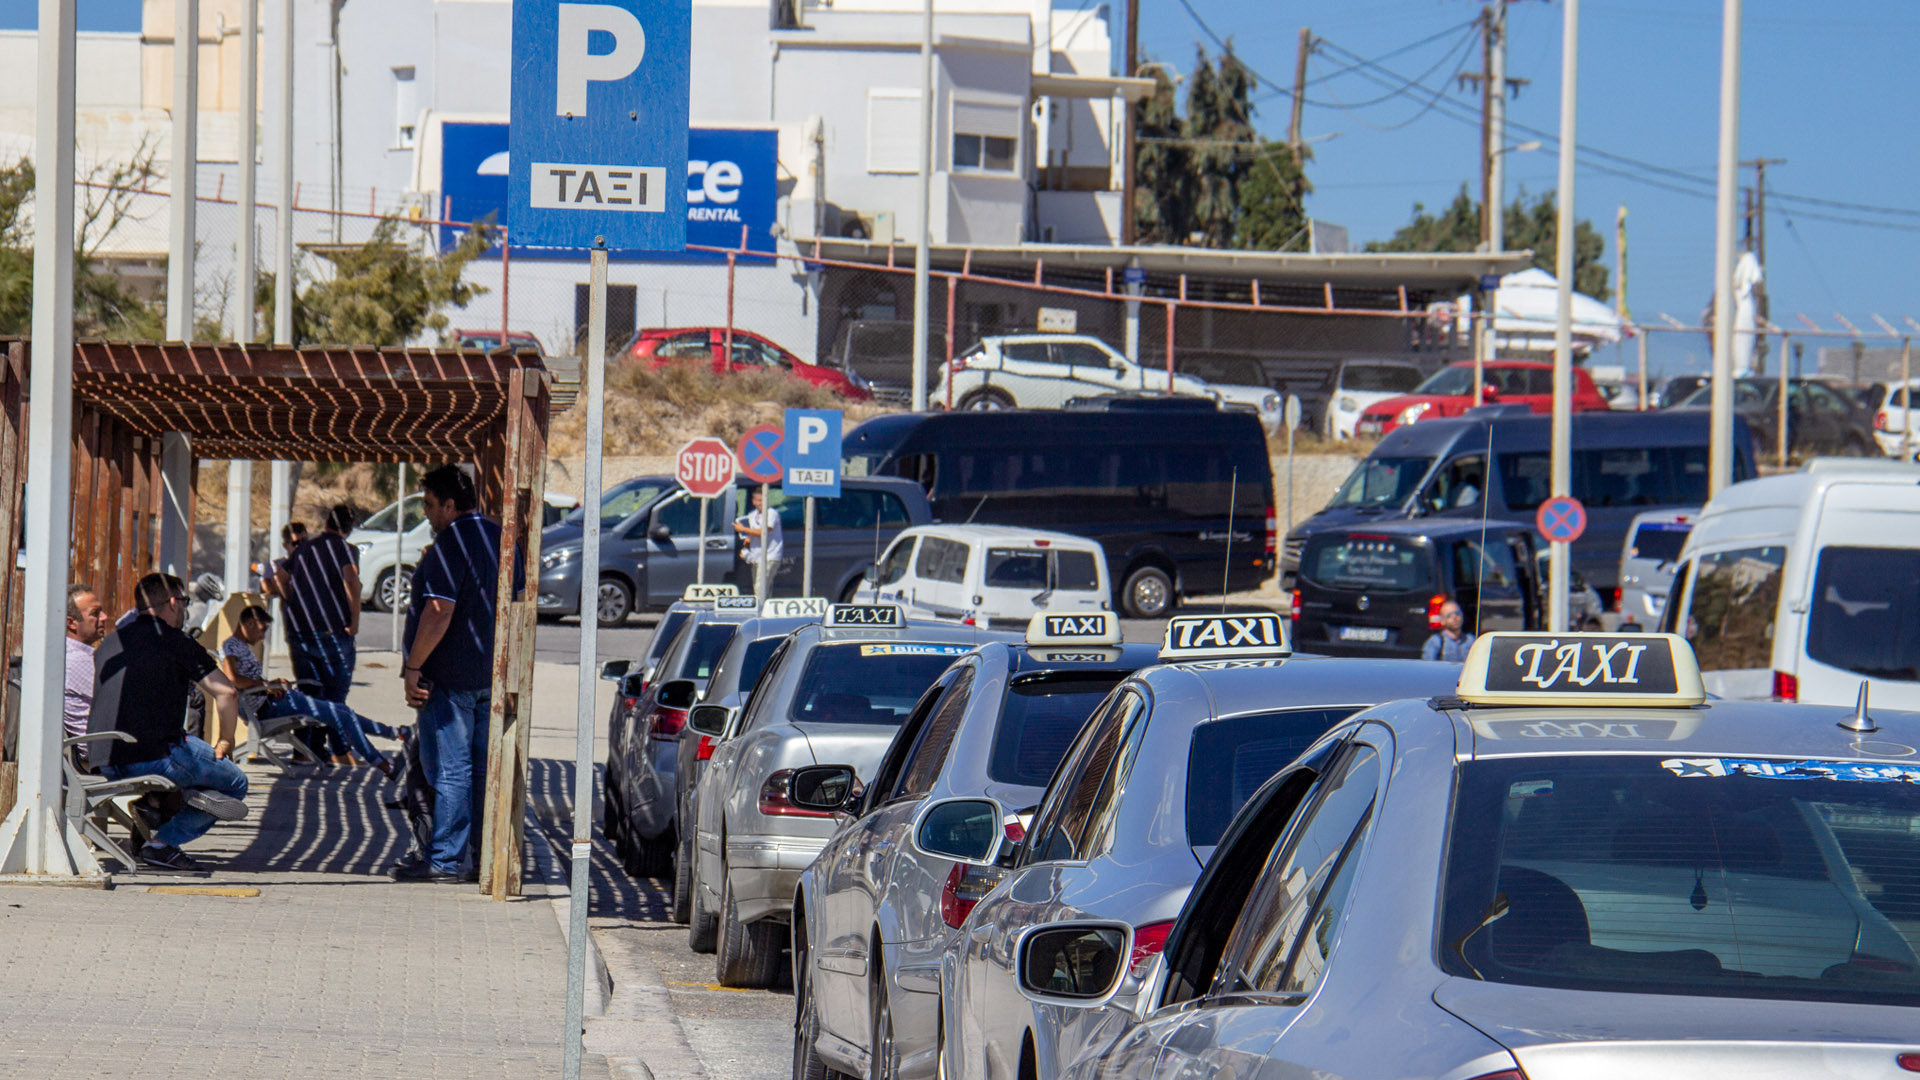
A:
x: 884, y: 1065
x: 806, y: 1030
x: 615, y: 602
x: 682, y: 904
x: 986, y: 401
x: 748, y: 955
x: 384, y: 588
x: 1148, y: 594
x: 701, y: 927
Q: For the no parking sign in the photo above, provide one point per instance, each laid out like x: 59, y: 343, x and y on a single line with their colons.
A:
x: 1561, y: 519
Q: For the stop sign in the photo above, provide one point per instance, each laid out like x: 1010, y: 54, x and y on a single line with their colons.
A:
x: 704, y: 467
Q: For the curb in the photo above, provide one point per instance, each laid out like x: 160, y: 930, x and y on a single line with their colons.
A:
x: 553, y: 875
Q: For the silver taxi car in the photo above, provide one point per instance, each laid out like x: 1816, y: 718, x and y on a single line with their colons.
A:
x: 1576, y: 866
x: 831, y: 693
x: 874, y: 912
x: 1135, y: 809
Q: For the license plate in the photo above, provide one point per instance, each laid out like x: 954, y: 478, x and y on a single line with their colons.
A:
x: 1376, y: 634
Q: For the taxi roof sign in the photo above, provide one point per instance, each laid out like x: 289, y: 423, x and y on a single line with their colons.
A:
x: 794, y: 607
x: 1591, y: 670
x: 1079, y: 628
x: 735, y: 603
x: 866, y: 615
x: 696, y: 593
x: 1227, y: 636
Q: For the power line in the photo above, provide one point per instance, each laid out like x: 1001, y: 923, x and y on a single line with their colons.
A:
x: 1434, y: 97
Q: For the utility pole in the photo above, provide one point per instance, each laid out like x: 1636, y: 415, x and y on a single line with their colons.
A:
x: 182, y: 177
x: 1720, y: 416
x: 1497, y: 125
x: 1757, y: 231
x: 1561, y: 459
x: 1295, y: 138
x: 1489, y: 136
x: 1129, y: 151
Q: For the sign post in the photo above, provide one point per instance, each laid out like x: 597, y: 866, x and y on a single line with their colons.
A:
x: 1292, y: 418
x: 704, y: 467
x: 597, y: 145
x: 810, y: 454
x: 1561, y: 520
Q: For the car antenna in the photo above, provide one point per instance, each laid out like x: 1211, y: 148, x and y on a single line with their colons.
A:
x: 1480, y: 574
x: 1860, y: 722
x: 976, y: 508
x: 1226, y: 571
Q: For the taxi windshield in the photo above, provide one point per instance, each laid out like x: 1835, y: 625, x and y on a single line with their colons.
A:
x: 1381, y: 483
x: 870, y: 683
x: 1720, y: 877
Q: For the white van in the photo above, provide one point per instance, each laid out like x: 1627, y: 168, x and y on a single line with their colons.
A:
x: 1648, y: 558
x: 1801, y: 587
x: 994, y: 576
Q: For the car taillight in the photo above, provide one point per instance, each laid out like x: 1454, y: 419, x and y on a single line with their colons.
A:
x: 1786, y: 687
x: 966, y: 884
x: 1016, y: 832
x: 1613, y: 602
x: 1273, y: 534
x: 704, y: 752
x: 1148, y: 940
x: 666, y: 723
x: 776, y: 798
x: 629, y: 702
x: 1434, y: 604
x: 1909, y: 1061
x: 1294, y: 613
x: 1880, y: 421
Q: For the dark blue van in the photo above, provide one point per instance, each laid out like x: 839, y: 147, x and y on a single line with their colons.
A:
x: 1623, y: 463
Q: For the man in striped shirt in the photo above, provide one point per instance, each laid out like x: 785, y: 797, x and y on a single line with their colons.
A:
x: 320, y: 590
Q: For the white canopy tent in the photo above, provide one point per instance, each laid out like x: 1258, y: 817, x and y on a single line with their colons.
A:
x: 1524, y: 316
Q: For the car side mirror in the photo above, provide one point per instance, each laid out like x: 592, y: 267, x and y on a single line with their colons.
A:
x: 634, y: 684
x: 615, y: 670
x: 1489, y: 393
x: 660, y: 534
x: 677, y: 694
x: 1075, y: 964
x: 709, y: 719
x: 831, y: 789
x: 965, y: 830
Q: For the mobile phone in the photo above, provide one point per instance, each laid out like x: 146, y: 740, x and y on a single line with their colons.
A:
x: 426, y: 687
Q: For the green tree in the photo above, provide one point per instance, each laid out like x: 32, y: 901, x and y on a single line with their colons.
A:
x: 387, y: 291
x: 102, y: 308
x: 1530, y: 226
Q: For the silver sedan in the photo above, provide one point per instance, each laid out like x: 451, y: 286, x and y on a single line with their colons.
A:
x: 833, y: 693
x: 1472, y: 887
x: 1128, y: 821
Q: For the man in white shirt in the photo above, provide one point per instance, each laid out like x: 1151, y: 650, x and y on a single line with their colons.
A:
x: 765, y: 544
x: 86, y: 625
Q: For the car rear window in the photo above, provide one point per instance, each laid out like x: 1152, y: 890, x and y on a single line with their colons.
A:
x: 1230, y: 759
x: 664, y: 634
x: 1075, y: 571
x: 754, y: 663
x: 1661, y: 540
x: 1038, y: 721
x: 1360, y: 561
x: 1016, y: 568
x: 703, y: 651
x: 868, y: 683
x: 1866, y: 612
x: 1707, y: 876
x: 1379, y: 378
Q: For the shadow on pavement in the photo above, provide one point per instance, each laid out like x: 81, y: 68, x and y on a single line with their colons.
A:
x: 615, y: 895
x: 317, y: 821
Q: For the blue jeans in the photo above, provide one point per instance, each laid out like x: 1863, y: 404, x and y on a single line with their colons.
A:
x: 453, y: 753
x: 189, y: 764
x: 326, y: 659
x: 341, y: 721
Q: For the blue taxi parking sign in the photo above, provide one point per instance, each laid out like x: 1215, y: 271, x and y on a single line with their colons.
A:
x: 810, y: 453
x: 598, y: 139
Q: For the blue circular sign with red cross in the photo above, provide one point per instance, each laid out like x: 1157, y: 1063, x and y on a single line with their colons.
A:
x: 1561, y: 519
x: 759, y: 453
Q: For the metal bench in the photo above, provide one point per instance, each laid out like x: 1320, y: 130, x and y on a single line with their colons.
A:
x: 93, y: 801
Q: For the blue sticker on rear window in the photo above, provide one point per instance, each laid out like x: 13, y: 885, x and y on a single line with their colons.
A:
x: 914, y: 650
x: 1849, y: 771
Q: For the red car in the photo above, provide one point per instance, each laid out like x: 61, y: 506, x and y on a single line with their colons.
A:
x: 751, y: 352
x: 1449, y: 392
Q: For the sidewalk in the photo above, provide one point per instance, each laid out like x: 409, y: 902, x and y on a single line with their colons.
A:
x: 296, y: 957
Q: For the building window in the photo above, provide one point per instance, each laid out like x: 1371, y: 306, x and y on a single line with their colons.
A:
x: 406, y: 108
x: 993, y: 153
x: 986, y: 135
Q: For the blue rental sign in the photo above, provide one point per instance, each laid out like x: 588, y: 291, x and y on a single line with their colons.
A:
x: 599, y: 125
x: 732, y: 181
x: 810, y: 453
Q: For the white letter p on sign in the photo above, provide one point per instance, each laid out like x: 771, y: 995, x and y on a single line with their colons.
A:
x: 812, y: 430
x: 577, y: 66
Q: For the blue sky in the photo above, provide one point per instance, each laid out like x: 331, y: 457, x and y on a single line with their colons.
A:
x: 1833, y: 95
x: 91, y: 15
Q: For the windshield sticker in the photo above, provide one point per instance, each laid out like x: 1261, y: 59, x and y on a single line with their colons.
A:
x: 1663, y: 730
x: 914, y: 650
x: 1528, y: 789
x: 1848, y: 771
x: 1225, y: 665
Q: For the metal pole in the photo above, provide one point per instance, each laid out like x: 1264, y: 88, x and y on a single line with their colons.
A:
x: 1170, y: 309
x: 1563, y: 318
x: 922, y: 238
x: 183, y: 213
x: 283, y: 170
x: 506, y: 283
x: 1134, y: 290
x: 953, y: 287
x: 700, y: 567
x: 399, y: 559
x: 806, y: 555
x: 1642, y: 336
x: 1780, y: 426
x: 726, y: 352
x: 245, y: 263
x: 1289, y: 479
x: 176, y: 504
x: 762, y: 573
x: 1720, y: 422
x: 279, y: 509
x: 596, y: 380
x: 1906, y: 396
x: 34, y: 838
x: 239, y: 523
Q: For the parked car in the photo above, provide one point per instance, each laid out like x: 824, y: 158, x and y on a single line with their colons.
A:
x: 1533, y: 883
x: 1677, y: 388
x: 1360, y: 383
x: 1623, y: 464
x: 751, y: 352
x: 648, y: 558
x: 1040, y: 371
x: 1820, y: 419
x: 488, y: 340
x: 374, y: 540
x: 1129, y: 818
x: 1449, y: 393
x: 1648, y: 560
x: 1585, y: 606
x: 1376, y: 589
x: 876, y: 910
x: 835, y: 692
x: 1888, y: 405
x: 1182, y: 505
x: 998, y: 576
x: 877, y: 356
x: 1223, y: 370
x: 1801, y: 587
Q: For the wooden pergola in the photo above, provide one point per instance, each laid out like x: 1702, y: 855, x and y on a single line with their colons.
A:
x: 258, y: 403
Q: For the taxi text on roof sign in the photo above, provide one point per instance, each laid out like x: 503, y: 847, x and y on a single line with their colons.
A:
x: 735, y: 603
x: 1080, y: 628
x: 1603, y: 670
x: 1224, y: 637
x: 708, y: 592
x: 865, y: 615
x: 794, y: 607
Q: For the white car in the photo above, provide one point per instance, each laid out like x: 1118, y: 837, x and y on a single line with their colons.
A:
x: 1890, y: 413
x: 1045, y: 371
x: 1360, y: 383
x: 996, y: 576
x: 374, y: 538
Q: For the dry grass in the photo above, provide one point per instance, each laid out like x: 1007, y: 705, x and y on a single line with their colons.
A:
x: 313, y: 495
x: 653, y: 412
x: 1311, y: 443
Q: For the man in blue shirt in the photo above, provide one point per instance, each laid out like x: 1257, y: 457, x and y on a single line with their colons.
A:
x: 319, y: 583
x: 449, y: 668
x: 1452, y: 641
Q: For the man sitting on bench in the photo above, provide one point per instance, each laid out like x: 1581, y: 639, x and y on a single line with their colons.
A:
x: 143, y: 672
x: 243, y: 670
